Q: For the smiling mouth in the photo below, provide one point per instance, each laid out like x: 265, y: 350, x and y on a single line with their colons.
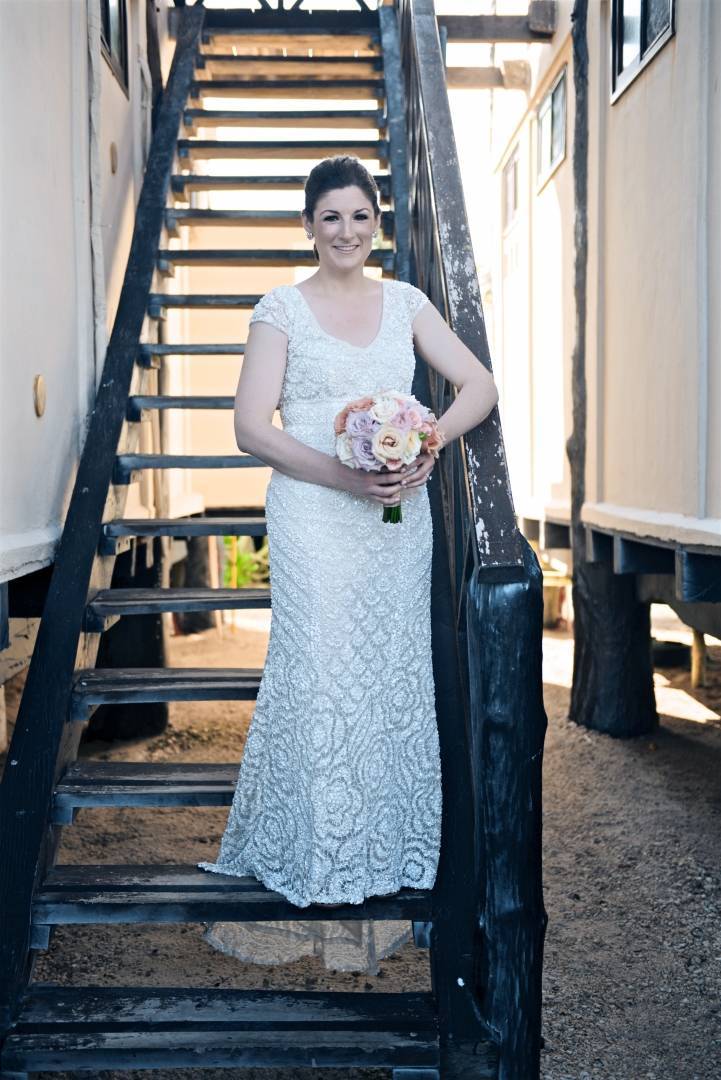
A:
x: 352, y: 247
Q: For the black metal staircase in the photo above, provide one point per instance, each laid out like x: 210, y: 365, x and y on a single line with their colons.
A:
x: 419, y: 1036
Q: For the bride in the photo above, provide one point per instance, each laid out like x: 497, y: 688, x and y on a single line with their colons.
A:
x: 339, y: 790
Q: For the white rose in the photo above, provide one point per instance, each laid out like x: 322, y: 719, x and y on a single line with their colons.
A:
x: 344, y: 449
x: 412, y: 448
x: 383, y: 409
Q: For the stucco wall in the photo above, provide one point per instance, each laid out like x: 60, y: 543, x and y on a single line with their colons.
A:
x: 60, y: 204
x: 45, y: 323
x: 653, y: 333
x: 654, y: 270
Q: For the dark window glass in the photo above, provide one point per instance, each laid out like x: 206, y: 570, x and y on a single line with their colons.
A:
x: 551, y: 127
x: 114, y: 36
x: 657, y: 19
x: 558, y: 120
x: 510, y: 189
x: 631, y: 30
x: 636, y: 26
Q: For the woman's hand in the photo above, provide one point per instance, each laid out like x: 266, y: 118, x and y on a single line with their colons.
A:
x: 419, y: 471
x: 386, y: 485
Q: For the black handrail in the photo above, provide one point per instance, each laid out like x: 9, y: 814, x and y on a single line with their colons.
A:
x: 41, y: 735
x: 487, y: 632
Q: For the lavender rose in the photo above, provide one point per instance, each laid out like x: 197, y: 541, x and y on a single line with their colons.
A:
x: 363, y: 453
x: 360, y: 423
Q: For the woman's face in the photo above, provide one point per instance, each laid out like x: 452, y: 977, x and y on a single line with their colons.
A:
x: 343, y: 225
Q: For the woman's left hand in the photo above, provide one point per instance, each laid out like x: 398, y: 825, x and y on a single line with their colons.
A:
x: 417, y: 472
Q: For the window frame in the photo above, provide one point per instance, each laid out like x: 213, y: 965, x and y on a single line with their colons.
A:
x: 512, y: 162
x: 119, y: 66
x: 544, y: 173
x: 622, y: 79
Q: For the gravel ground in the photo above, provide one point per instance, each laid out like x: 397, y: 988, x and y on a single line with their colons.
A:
x: 632, y: 984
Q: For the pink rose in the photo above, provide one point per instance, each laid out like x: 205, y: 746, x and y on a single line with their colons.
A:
x: 433, y: 443
x: 408, y: 419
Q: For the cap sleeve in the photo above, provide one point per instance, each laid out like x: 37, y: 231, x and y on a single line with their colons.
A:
x: 414, y: 298
x: 271, y: 309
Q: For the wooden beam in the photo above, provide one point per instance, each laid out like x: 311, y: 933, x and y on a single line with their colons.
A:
x: 473, y: 78
x: 538, y: 25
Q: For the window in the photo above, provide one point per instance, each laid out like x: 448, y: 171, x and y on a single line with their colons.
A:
x: 551, y: 129
x: 114, y: 38
x: 510, y: 189
x: 639, y: 28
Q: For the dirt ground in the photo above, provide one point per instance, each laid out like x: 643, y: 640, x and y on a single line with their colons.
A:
x: 632, y: 984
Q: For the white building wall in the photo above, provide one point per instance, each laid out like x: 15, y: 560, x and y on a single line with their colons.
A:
x: 63, y: 109
x: 653, y: 332
x: 45, y: 324
x: 653, y: 344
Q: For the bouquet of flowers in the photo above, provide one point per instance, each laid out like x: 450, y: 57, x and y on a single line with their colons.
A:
x: 385, y: 430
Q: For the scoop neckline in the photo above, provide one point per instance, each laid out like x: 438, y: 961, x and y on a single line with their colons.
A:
x: 342, y: 341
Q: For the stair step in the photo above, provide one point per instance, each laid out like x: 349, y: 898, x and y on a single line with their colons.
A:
x: 115, y: 531
x: 138, y: 403
x: 181, y: 183
x: 150, y: 353
x: 169, y: 893
x: 263, y: 219
x: 94, y: 1029
x: 131, y: 783
x: 158, y: 301
x: 286, y: 149
x: 119, y: 686
x: 168, y: 257
x: 311, y: 35
x: 127, y: 464
x: 306, y: 64
x: 290, y: 118
x: 110, y: 604
x: 336, y: 89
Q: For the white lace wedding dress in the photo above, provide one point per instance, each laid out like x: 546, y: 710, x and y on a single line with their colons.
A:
x: 339, y: 792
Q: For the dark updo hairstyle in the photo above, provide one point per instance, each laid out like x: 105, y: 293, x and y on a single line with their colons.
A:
x: 341, y: 171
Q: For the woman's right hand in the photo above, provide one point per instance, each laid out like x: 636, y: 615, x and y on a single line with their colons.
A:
x: 383, y: 486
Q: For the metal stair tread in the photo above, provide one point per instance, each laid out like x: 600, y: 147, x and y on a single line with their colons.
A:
x: 195, y: 526
x: 75, y: 893
x: 127, y: 464
x: 139, y: 402
x: 287, y: 257
x: 231, y: 300
x: 317, y: 58
x: 136, y: 1027
x: 109, y: 686
x: 147, y: 601
x: 96, y: 783
x: 363, y: 118
x: 229, y: 217
x: 179, y: 181
x: 186, y: 349
x: 370, y: 87
x: 189, y: 461
x: 277, y: 144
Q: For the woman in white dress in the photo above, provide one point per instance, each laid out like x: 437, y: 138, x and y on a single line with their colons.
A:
x: 339, y: 791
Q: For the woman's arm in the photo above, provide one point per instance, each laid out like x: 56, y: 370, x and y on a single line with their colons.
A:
x: 444, y: 351
x: 256, y: 399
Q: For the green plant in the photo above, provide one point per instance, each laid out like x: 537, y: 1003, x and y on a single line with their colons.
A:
x: 244, y: 566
